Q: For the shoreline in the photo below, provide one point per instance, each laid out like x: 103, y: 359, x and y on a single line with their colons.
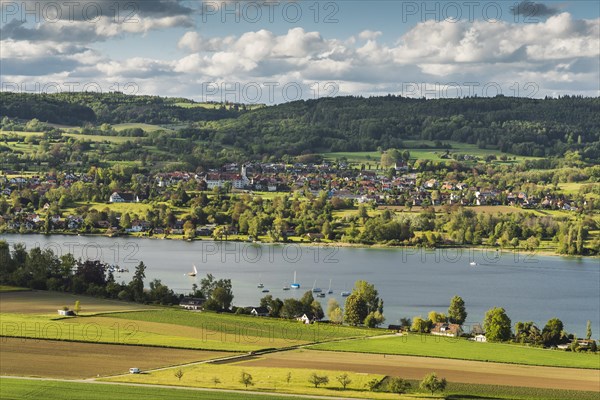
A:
x: 377, y: 246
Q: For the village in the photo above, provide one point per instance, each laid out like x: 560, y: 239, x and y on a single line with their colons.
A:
x: 399, y: 186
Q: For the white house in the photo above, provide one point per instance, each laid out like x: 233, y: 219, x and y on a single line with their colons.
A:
x: 120, y: 197
x: 305, y: 319
x: 260, y: 311
x: 480, y: 338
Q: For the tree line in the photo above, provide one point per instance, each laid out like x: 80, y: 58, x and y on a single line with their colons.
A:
x: 532, y: 127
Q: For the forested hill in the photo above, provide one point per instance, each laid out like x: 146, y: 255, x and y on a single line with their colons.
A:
x: 515, y: 125
x: 112, y: 108
x: 534, y: 127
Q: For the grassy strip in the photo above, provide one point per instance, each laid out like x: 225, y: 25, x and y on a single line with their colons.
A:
x: 464, y: 391
x: 462, y: 349
x: 58, y: 390
x: 470, y: 391
x: 5, y: 288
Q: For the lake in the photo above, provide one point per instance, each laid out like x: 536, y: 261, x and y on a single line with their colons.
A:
x: 411, y: 281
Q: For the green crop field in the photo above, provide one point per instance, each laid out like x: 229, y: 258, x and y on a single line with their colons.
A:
x: 34, y: 315
x: 60, y: 390
x: 465, y: 391
x: 112, y: 330
x: 291, y: 332
x: 436, y: 346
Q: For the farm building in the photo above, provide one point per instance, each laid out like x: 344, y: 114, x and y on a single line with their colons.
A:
x: 192, y: 303
x: 444, y: 329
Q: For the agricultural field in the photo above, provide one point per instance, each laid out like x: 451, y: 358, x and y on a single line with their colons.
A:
x: 34, y: 315
x: 454, y: 348
x: 30, y: 357
x: 43, y: 302
x: 133, y: 208
x: 64, y: 390
x: 432, y: 154
x: 462, y: 391
x: 144, y: 127
x: 252, y: 328
x: 265, y: 379
x: 112, y: 330
x: 100, y: 138
x: 410, y: 367
x: 74, y: 134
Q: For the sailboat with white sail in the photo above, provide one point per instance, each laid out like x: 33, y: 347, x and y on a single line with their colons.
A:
x: 316, y: 289
x: 295, y: 285
x: 193, y: 274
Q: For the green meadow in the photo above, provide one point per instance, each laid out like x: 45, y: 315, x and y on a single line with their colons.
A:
x: 61, y: 390
x: 458, y: 348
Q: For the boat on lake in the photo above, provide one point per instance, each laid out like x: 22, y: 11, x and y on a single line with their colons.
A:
x: 193, y: 274
x: 295, y: 285
x: 316, y: 289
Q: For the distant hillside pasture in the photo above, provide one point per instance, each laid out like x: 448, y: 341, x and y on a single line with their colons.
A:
x: 99, y: 138
x: 417, y: 152
x: 144, y: 127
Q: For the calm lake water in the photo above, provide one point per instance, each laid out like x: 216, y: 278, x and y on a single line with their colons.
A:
x: 411, y: 281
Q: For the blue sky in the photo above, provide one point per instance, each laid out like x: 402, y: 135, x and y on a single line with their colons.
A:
x: 274, y: 51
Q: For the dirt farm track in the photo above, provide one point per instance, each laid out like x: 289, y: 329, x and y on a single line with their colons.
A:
x: 454, y: 370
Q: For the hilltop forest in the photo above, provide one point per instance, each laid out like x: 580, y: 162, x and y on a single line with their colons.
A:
x: 527, y: 127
